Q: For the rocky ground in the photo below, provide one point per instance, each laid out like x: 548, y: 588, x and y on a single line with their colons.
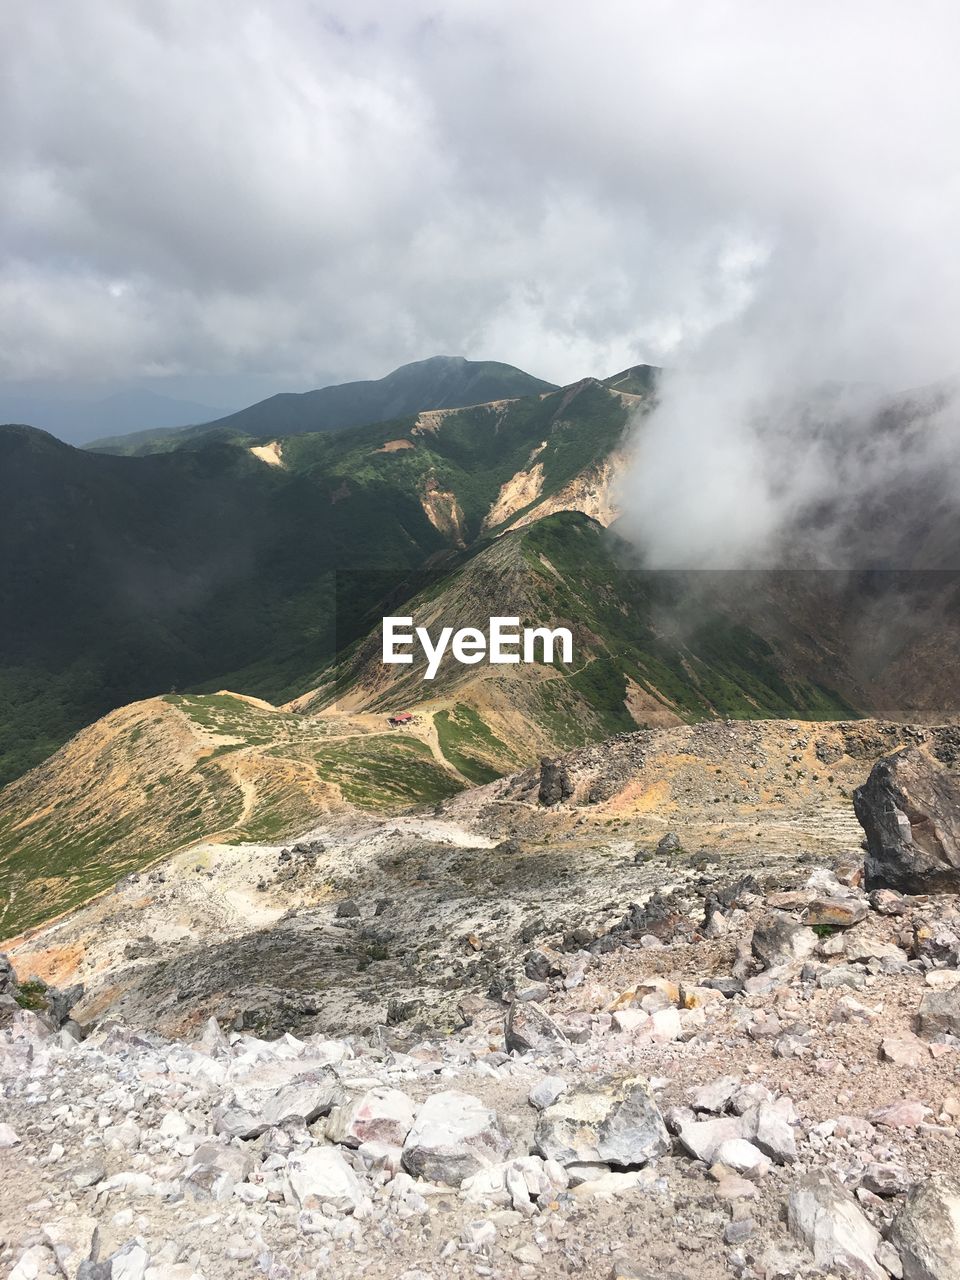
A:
x: 737, y: 1060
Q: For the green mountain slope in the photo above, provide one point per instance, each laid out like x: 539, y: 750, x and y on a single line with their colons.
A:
x: 648, y: 648
x: 124, y: 577
x: 442, y: 382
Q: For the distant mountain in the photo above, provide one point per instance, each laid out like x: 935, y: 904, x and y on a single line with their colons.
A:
x: 442, y: 382
x: 77, y: 421
x: 639, y: 379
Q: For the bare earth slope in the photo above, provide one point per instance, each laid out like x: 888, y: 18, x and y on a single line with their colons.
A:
x: 587, y: 1019
x: 748, y: 797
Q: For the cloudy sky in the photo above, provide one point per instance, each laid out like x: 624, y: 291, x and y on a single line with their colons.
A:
x: 224, y: 199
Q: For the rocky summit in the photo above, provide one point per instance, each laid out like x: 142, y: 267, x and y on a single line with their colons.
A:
x: 654, y: 1057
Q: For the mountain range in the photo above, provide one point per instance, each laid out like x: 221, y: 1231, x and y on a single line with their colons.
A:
x: 77, y: 419
x: 258, y: 557
x: 441, y: 382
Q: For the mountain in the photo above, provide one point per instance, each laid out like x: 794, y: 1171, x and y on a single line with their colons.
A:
x: 251, y: 567
x: 265, y: 568
x: 442, y: 382
x: 77, y: 420
x: 634, y: 664
x: 125, y: 577
x: 161, y: 774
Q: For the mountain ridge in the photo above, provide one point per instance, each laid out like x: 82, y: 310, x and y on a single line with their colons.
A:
x: 439, y: 382
x: 77, y: 421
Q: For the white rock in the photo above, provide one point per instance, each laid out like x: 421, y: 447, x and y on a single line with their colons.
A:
x: 546, y: 1092
x: 381, y: 1155
x: 702, y: 1138
x: 714, y: 1096
x: 72, y: 1240
x: 665, y: 1025
x: 250, y: 1192
x: 129, y: 1263
x: 175, y: 1125
x: 213, y: 1170
x: 453, y: 1136
x: 319, y: 1176
x: 770, y: 1129
x: 32, y: 1263
x: 379, y: 1115
x: 743, y: 1157
x: 8, y: 1137
x: 630, y: 1019
x: 535, y: 1177
x: 613, y: 1183
x: 828, y: 1220
x: 479, y: 1235
x: 122, y: 1137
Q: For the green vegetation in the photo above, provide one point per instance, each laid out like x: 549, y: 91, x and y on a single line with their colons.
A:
x: 470, y: 746
x: 670, y: 633
x: 32, y: 995
x: 69, y: 831
x: 672, y: 638
x: 438, y: 383
x: 383, y: 772
x: 205, y: 568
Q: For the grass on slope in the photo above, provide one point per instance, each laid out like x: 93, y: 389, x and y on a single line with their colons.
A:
x: 661, y: 631
x: 470, y: 746
x: 160, y: 775
x: 386, y: 771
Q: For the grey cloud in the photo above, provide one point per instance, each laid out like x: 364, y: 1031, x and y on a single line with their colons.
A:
x: 747, y: 192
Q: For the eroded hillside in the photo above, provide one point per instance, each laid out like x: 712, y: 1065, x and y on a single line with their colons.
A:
x: 162, y: 774
x: 235, y: 923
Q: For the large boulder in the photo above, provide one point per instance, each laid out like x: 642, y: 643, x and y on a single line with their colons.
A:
x: 909, y: 808
x: 825, y: 1216
x: 555, y: 784
x: 780, y: 940
x: 319, y: 1176
x: 248, y: 1112
x: 527, y: 1026
x: 619, y: 1125
x: 927, y: 1230
x: 379, y: 1115
x: 939, y: 1013
x: 453, y: 1137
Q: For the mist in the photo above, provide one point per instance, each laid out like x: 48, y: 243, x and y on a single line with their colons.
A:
x: 809, y: 425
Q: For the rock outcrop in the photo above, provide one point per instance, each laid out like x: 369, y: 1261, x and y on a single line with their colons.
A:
x: 909, y: 808
x: 555, y: 784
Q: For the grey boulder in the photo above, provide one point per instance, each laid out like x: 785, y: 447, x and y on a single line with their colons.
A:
x: 453, y: 1136
x: 926, y: 1232
x: 779, y: 940
x: 249, y: 1112
x: 828, y: 1220
x: 619, y: 1125
x: 909, y: 808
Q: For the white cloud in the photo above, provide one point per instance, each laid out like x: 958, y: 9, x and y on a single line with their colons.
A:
x: 320, y: 190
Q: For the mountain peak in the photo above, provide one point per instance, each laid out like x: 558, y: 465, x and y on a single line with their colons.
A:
x: 438, y: 382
